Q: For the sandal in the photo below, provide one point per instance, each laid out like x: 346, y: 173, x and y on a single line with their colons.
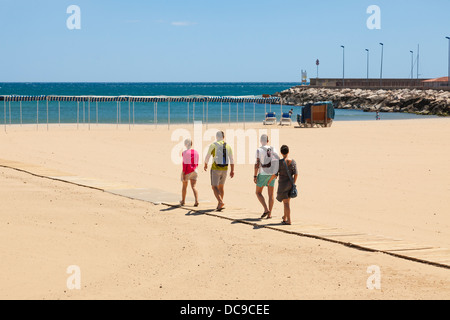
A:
x: 265, y: 214
x: 286, y: 223
x: 196, y: 204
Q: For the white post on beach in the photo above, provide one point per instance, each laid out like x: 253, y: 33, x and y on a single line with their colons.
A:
x: 237, y: 112
x: 221, y: 109
x: 4, y: 113
x: 244, y: 115
x: 9, y: 103
x: 168, y: 115
x: 78, y: 113
x: 96, y: 112
x: 117, y: 114
x: 193, y: 113
x: 47, y: 113
x: 84, y: 117
x: 207, y: 114
x: 133, y: 114
x: 281, y: 110
x: 265, y: 108
x: 20, y: 106
x: 254, y: 111
x: 129, y: 114
x: 59, y: 113
x: 156, y: 115
x: 229, y: 114
x: 188, y: 112
x: 89, y: 114
x: 203, y: 116
x: 120, y: 112
x: 37, y: 115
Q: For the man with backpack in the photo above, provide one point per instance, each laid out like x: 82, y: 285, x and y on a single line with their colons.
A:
x: 267, y: 164
x: 222, y: 158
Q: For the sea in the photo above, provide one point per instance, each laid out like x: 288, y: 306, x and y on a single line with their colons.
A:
x: 149, y: 113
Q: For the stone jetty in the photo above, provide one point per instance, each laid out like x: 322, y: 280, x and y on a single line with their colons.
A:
x: 426, y: 102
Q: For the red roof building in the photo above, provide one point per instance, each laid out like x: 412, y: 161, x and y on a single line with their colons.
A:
x: 436, y: 83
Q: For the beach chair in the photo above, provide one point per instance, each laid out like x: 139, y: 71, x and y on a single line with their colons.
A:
x: 271, y: 118
x: 286, y: 119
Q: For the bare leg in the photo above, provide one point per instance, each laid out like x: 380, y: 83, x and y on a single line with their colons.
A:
x: 194, y: 189
x: 221, y: 192
x: 261, y: 199
x: 218, y: 196
x: 183, y: 192
x: 287, y: 211
x: 270, y: 191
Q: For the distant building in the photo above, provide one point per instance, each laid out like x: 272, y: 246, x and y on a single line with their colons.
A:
x: 436, y: 83
x: 368, y: 83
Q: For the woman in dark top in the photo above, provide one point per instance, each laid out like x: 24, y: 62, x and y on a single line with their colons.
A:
x: 284, y: 182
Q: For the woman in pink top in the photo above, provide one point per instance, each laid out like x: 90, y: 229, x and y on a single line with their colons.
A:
x: 189, y: 173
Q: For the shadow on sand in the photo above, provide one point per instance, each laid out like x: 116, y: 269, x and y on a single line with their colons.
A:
x: 170, y: 208
x: 199, y: 212
x: 253, y: 221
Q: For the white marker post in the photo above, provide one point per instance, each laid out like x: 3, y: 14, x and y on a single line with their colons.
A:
x: 4, y: 114
x: 168, y: 115
x: 47, y: 112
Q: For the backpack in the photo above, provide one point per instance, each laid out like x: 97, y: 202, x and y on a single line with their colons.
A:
x: 221, y: 158
x: 268, y: 156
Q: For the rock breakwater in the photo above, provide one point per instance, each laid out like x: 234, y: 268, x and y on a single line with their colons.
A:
x: 433, y: 102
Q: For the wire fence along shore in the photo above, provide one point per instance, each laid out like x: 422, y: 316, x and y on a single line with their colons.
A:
x: 18, y: 109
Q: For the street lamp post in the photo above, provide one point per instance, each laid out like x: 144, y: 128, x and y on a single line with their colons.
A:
x: 343, y: 66
x: 367, y: 65
x: 412, y: 64
x: 317, y: 65
x: 381, y: 71
x: 448, y: 75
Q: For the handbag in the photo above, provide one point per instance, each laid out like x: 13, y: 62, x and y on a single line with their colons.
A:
x: 293, y: 193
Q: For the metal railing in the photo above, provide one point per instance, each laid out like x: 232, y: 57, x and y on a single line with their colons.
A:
x: 83, y: 102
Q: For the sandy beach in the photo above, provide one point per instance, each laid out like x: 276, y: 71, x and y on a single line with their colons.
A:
x: 388, y: 178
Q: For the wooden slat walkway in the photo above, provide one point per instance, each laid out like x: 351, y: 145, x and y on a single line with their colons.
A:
x: 396, y: 247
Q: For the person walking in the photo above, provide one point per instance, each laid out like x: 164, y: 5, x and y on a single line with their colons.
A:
x: 222, y: 158
x: 287, y: 175
x: 267, y: 162
x: 189, y: 172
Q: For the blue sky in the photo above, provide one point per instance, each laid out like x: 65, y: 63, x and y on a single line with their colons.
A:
x: 218, y: 41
